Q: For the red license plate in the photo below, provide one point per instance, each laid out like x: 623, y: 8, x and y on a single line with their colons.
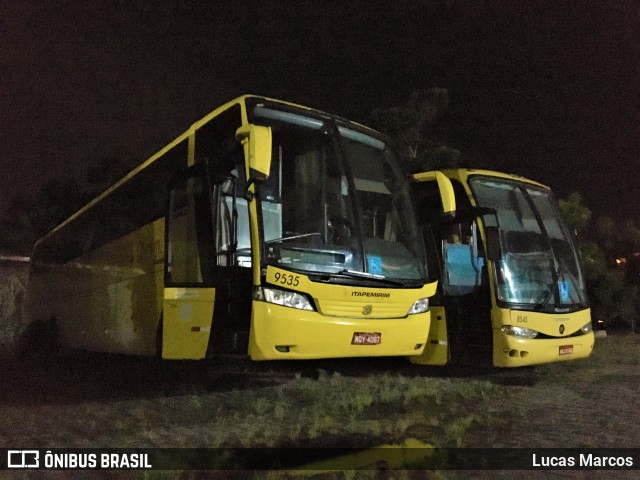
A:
x: 366, y: 338
x: 566, y: 349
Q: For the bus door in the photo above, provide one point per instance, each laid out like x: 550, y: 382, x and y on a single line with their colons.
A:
x: 461, y: 311
x: 189, y: 291
x: 466, y: 295
x: 208, y: 250
x: 233, y: 265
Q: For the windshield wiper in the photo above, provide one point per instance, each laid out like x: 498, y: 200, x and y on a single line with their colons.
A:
x: 374, y: 277
x: 294, y: 237
x: 562, y: 275
x: 540, y: 305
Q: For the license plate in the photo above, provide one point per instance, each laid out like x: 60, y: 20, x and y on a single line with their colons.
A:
x: 566, y: 349
x: 366, y: 338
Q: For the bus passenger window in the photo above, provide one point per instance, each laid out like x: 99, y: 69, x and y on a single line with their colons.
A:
x: 183, y: 263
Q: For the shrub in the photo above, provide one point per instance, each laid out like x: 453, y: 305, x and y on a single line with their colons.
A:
x: 13, y: 280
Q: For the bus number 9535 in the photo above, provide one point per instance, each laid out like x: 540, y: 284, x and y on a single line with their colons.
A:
x: 284, y: 279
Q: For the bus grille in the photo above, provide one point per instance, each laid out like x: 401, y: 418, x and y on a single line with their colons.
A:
x: 361, y: 309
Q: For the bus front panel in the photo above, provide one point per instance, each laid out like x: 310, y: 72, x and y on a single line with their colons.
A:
x: 529, y: 338
x: 334, y: 321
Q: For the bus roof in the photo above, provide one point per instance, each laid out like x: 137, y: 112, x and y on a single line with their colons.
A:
x: 241, y: 100
x: 463, y: 174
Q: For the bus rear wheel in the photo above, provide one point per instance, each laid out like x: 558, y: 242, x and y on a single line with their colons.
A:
x: 39, y: 341
x: 159, y: 338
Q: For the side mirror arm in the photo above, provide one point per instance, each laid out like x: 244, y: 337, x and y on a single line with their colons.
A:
x: 257, y: 143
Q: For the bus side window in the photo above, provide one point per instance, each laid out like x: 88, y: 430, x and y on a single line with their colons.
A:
x: 183, y: 265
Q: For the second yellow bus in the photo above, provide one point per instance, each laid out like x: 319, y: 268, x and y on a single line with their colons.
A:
x: 511, y: 289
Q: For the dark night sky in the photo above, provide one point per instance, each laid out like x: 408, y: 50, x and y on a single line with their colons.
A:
x: 549, y: 89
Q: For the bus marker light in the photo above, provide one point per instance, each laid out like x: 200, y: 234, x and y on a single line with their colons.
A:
x: 366, y: 338
x: 566, y: 350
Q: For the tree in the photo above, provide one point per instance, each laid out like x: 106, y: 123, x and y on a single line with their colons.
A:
x: 575, y: 212
x: 612, y: 292
x: 30, y: 217
x: 408, y: 126
x: 578, y: 218
x: 103, y: 173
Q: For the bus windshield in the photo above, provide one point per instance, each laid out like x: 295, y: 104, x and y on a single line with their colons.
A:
x: 539, y: 267
x: 336, y: 203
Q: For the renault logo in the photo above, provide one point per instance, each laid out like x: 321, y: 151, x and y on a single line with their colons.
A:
x: 367, y: 310
x: 561, y: 329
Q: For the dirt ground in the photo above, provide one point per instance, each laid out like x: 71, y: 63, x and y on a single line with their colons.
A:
x: 591, y: 403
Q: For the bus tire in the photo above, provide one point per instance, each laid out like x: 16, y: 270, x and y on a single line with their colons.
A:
x: 39, y: 341
x: 159, y: 338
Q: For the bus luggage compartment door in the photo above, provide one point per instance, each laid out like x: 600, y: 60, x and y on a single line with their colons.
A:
x: 186, y: 324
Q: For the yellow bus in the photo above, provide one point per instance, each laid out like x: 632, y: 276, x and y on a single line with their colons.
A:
x: 266, y: 229
x: 511, y: 290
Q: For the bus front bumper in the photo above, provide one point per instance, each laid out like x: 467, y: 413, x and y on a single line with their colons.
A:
x: 282, y: 333
x: 517, y: 352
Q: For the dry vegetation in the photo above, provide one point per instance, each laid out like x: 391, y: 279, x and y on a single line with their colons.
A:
x: 83, y: 400
x: 13, y: 280
x: 96, y: 401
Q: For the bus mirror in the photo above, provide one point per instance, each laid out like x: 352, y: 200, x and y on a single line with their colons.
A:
x: 256, y: 140
x: 444, y: 185
x: 492, y: 235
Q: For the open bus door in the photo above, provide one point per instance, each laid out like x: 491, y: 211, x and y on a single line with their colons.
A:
x: 189, y: 292
x: 466, y: 294
x: 208, y: 254
x: 461, y: 329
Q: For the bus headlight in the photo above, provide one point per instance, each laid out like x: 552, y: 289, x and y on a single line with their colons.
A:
x: 420, y: 306
x: 285, y: 298
x: 519, y: 332
x: 587, y: 328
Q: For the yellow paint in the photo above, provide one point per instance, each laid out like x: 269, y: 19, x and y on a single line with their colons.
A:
x: 186, y: 324
x: 347, y: 301
x: 509, y: 351
x: 444, y: 185
x: 309, y: 334
x: 436, y: 352
x: 112, y: 298
x: 108, y: 299
x: 256, y: 140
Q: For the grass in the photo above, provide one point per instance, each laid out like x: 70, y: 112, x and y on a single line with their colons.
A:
x: 339, y: 410
x: 376, y: 407
x: 360, y: 411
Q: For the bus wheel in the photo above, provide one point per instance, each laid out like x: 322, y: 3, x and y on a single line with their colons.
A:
x: 159, y: 339
x: 39, y: 341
